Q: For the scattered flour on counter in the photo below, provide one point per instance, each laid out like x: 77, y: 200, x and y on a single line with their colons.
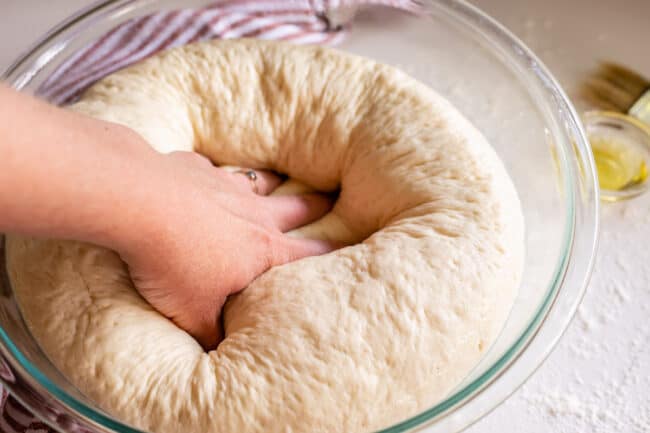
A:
x: 598, y: 378
x: 559, y: 404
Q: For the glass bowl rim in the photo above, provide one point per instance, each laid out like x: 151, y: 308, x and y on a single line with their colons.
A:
x: 581, y: 168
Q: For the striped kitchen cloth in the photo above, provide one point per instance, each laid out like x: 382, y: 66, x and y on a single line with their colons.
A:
x: 298, y: 21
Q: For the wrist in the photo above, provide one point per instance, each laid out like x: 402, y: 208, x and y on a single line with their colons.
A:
x: 69, y: 176
x: 116, y: 200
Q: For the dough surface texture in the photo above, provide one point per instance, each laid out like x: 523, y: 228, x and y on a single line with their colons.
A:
x: 352, y: 341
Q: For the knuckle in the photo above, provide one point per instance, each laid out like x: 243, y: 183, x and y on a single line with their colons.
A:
x: 269, y: 246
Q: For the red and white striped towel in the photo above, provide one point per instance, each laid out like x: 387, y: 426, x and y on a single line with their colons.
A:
x: 298, y: 21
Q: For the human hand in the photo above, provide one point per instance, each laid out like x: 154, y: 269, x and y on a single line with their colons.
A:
x: 211, y: 235
x: 190, y: 233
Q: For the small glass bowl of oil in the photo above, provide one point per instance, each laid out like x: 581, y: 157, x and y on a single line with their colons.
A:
x: 621, y: 148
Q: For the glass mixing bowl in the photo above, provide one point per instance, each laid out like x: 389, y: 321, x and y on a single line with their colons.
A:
x: 492, y: 78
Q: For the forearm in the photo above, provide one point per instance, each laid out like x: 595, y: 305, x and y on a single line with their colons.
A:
x: 65, y: 175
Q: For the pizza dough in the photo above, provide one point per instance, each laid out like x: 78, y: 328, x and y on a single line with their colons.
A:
x: 352, y: 341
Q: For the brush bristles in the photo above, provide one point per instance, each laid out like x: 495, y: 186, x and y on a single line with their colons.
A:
x: 614, y: 87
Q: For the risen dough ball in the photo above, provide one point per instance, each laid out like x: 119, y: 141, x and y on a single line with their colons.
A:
x: 352, y: 341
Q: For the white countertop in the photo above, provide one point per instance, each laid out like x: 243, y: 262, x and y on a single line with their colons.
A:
x: 598, y: 378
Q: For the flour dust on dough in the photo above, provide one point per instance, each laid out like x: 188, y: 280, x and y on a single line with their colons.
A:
x: 352, y: 341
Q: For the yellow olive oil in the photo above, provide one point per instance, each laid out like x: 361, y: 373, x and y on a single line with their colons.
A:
x: 618, y: 166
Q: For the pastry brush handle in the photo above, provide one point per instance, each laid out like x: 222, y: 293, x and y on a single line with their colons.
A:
x: 641, y: 108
